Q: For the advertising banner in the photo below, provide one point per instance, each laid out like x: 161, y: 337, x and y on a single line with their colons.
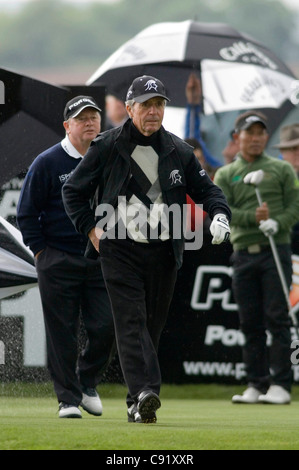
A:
x: 201, y: 341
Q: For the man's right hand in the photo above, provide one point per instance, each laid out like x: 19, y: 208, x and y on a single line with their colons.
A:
x: 220, y: 229
x: 269, y: 227
x: 262, y: 213
x: 38, y: 253
x: 94, y: 236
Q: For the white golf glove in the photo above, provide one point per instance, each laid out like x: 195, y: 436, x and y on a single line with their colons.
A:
x: 219, y: 228
x: 268, y: 227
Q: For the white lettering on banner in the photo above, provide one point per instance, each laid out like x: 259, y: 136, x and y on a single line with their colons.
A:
x: 2, y: 353
x: 223, y: 369
x: 215, y: 276
x: 9, y: 202
x: 29, y: 307
x: 226, y: 369
x: 228, y: 337
x: 14, y: 183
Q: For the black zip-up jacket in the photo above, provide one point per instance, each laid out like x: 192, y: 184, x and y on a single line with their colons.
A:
x: 103, y: 175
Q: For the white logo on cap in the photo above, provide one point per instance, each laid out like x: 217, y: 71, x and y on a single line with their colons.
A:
x: 253, y: 119
x: 151, y: 85
x: 80, y: 101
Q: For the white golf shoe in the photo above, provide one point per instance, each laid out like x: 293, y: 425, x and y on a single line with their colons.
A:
x: 276, y: 395
x: 91, y: 402
x: 69, y: 411
x: 250, y: 396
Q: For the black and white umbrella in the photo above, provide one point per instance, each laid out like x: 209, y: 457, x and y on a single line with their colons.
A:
x: 31, y: 115
x: 237, y: 72
x: 17, y: 270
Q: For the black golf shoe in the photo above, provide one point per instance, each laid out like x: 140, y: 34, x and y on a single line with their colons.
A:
x: 148, y: 403
x: 133, y: 415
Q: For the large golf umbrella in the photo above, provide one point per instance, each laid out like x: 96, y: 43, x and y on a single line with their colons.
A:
x: 17, y: 270
x: 31, y: 115
x: 237, y: 72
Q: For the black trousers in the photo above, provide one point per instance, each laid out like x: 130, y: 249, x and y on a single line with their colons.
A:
x: 71, y: 286
x: 262, y: 306
x: 140, y: 280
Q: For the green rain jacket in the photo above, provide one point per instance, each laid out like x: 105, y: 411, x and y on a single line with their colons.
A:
x: 279, y: 188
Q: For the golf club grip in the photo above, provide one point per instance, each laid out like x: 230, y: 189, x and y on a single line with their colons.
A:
x: 258, y: 195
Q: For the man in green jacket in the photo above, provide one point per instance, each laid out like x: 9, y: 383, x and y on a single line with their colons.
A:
x: 256, y: 284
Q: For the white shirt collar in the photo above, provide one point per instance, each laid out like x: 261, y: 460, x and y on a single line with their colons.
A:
x: 70, y: 149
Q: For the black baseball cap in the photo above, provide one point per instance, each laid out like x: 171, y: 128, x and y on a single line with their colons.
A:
x: 244, y: 123
x: 146, y: 87
x: 77, y: 104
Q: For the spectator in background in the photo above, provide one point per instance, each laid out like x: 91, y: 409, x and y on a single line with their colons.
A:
x: 116, y: 113
x: 231, y: 149
x: 256, y: 284
x: 289, y: 145
x: 192, y: 126
x: 197, y: 217
x: 198, y: 152
x: 289, y: 150
x: 70, y: 284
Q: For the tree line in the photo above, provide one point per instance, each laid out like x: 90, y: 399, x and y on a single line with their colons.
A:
x: 51, y: 33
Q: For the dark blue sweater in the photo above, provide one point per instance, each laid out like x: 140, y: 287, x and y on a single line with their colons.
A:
x: 40, y: 214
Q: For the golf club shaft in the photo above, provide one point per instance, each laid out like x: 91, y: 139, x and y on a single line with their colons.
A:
x: 279, y: 267
x: 280, y: 271
x: 258, y: 195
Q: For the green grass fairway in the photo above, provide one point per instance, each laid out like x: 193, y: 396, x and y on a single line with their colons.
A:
x: 192, y: 417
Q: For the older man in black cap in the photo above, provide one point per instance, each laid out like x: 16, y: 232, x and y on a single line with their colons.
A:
x: 70, y: 285
x: 141, y: 171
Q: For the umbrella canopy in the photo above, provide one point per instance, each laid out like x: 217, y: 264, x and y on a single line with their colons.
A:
x: 17, y: 270
x: 31, y: 115
x: 237, y: 72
